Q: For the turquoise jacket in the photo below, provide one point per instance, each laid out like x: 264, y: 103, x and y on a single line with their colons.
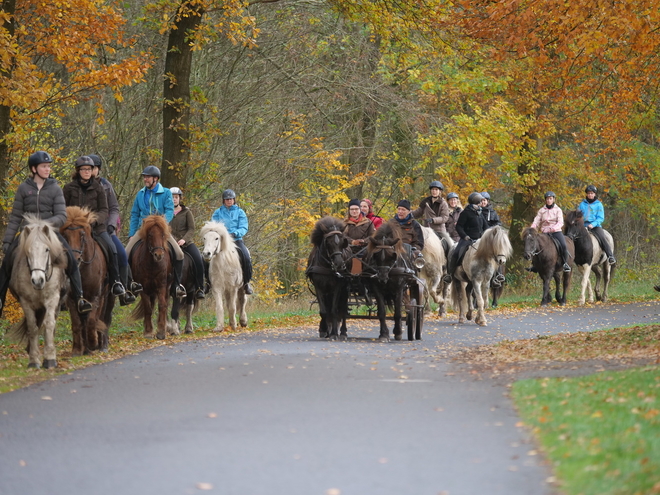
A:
x: 594, y: 213
x: 157, y: 201
x: 234, y: 219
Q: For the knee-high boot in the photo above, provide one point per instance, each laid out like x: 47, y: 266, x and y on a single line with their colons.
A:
x: 178, y: 289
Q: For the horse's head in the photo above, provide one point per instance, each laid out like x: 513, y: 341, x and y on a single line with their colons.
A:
x: 40, y: 246
x: 383, y: 254
x: 531, y: 241
x: 216, y: 239
x: 574, y: 224
x: 334, y: 244
x: 77, y: 230
x: 155, y: 232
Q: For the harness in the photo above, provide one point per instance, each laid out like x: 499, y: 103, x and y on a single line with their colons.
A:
x: 48, y: 271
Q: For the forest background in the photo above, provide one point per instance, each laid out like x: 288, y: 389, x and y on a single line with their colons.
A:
x: 301, y: 105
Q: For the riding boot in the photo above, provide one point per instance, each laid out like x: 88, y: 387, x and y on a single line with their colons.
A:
x: 451, y: 266
x: 179, y: 290
x: 129, y: 296
x: 72, y: 271
x: 4, y: 285
x: 118, y: 288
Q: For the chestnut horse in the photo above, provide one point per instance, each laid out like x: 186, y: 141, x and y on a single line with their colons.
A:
x: 152, y: 267
x: 90, y: 332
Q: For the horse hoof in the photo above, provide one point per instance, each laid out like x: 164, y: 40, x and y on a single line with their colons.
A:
x: 188, y: 331
x: 343, y: 338
x: 243, y: 323
x: 148, y: 335
x: 160, y: 336
x: 50, y: 363
x: 383, y: 338
x: 461, y: 320
x: 323, y: 335
x: 219, y: 329
x: 481, y: 323
x: 398, y: 336
x: 333, y: 337
x: 35, y: 366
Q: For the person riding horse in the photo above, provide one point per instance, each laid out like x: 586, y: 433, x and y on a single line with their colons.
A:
x: 236, y: 222
x: 411, y: 232
x: 455, y: 210
x: 435, y: 211
x: 594, y: 216
x: 84, y: 191
x: 154, y: 199
x: 132, y: 287
x: 488, y: 212
x: 358, y: 227
x: 550, y: 220
x: 183, y: 230
x: 40, y: 195
x: 470, y: 227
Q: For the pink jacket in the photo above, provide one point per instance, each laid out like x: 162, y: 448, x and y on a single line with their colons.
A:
x: 549, y: 220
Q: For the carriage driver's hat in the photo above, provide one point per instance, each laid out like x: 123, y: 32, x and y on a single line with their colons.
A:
x: 404, y: 203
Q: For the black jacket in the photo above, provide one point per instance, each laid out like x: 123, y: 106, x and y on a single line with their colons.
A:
x: 471, y: 223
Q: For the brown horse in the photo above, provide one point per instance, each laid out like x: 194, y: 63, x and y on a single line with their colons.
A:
x: 152, y: 267
x: 90, y: 332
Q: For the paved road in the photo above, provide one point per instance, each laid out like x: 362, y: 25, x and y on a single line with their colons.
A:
x: 286, y: 413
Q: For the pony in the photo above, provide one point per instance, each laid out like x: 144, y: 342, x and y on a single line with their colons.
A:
x: 434, y: 268
x: 90, y: 332
x: 225, y: 274
x: 152, y: 267
x: 547, y: 262
x: 476, y: 270
x: 327, y: 271
x: 389, y: 271
x: 190, y: 302
x: 38, y: 281
x: 589, y: 257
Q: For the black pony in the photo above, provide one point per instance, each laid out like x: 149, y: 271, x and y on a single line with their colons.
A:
x: 326, y: 269
x: 389, y: 272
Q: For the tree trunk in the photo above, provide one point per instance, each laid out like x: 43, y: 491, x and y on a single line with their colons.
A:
x: 522, y: 215
x: 176, y: 96
x: 9, y: 9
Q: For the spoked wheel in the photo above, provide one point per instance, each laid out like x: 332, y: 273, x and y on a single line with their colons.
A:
x: 412, y: 319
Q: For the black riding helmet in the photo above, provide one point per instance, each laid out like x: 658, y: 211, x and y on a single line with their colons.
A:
x: 82, y: 161
x: 550, y: 194
x: 452, y: 195
x: 97, y: 161
x: 228, y: 194
x: 438, y: 184
x: 475, y: 198
x: 37, y: 158
x: 591, y: 188
x: 151, y: 171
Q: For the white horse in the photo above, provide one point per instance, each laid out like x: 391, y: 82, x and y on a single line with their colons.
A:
x: 434, y: 269
x: 38, y: 281
x: 225, y: 274
x: 476, y: 270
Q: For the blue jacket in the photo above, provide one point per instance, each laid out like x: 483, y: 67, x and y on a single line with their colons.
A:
x: 156, y: 202
x: 594, y: 213
x: 234, y: 219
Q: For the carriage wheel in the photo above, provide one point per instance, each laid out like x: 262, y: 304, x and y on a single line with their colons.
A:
x: 420, y: 323
x: 412, y: 319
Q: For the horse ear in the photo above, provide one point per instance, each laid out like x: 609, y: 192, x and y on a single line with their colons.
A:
x: 27, y: 230
x: 46, y: 230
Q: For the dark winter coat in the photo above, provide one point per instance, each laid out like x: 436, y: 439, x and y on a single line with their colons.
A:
x: 491, y: 216
x: 471, y: 223
x: 451, y: 223
x: 183, y: 225
x: 435, y: 213
x: 91, y: 196
x: 359, y: 230
x: 113, y: 205
x: 411, y: 231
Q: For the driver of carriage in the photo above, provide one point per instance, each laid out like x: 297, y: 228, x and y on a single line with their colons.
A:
x: 470, y: 226
x: 411, y: 230
x: 236, y: 222
x: 550, y: 220
x: 488, y: 212
x: 154, y: 199
x: 594, y: 216
x: 358, y: 227
x: 40, y: 195
x: 183, y: 230
x: 435, y: 211
x: 85, y: 192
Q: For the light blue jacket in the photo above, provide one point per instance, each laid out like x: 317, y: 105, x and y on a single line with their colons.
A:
x: 234, y: 219
x: 159, y: 203
x: 594, y: 213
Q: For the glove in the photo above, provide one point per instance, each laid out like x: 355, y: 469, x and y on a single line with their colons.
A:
x: 467, y: 238
x: 429, y: 222
x: 233, y: 236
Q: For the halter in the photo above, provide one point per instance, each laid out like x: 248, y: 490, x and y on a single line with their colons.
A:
x: 49, y: 268
x: 338, y: 252
x: 535, y: 253
x: 83, y: 243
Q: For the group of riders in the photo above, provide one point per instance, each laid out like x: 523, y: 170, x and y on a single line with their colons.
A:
x: 41, y: 195
x: 462, y: 227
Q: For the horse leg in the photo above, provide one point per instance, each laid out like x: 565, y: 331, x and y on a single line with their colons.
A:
x: 147, y: 302
x: 48, y: 324
x: 231, y: 306
x: 242, y: 303
x: 469, y: 296
x: 481, y: 288
x: 163, y: 297
x: 341, y: 309
x: 77, y: 348
x: 173, y: 325
x: 189, y: 320
x: 89, y: 327
x: 558, y: 283
x: 443, y: 298
x: 398, y: 306
x: 546, y: 291
x: 382, y: 314
x: 607, y: 275
x: 219, y: 309
x: 596, y: 269
x: 33, y: 337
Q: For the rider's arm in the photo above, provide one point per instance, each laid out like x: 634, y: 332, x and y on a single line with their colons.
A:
x: 135, y: 216
x: 101, y: 206
x: 113, y: 205
x: 59, y: 208
x: 168, y: 206
x: 15, y: 218
x: 190, y: 227
x: 242, y: 224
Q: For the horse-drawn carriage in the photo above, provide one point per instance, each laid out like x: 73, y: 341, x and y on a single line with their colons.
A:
x: 350, y: 286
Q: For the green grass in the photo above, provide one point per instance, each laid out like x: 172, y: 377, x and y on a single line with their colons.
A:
x: 601, y: 432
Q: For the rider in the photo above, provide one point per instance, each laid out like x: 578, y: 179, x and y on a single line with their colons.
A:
x: 470, y: 226
x: 550, y: 220
x: 411, y: 230
x: 154, y: 199
x: 42, y: 196
x: 594, y: 216
x: 236, y: 222
x: 367, y: 208
x: 132, y: 287
x: 488, y: 212
x: 183, y: 229
x: 455, y: 210
x: 84, y: 191
x: 435, y: 211
x: 358, y: 227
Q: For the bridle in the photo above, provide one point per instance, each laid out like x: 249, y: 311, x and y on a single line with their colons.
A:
x: 154, y: 249
x: 48, y: 271
x: 83, y: 242
x: 329, y: 258
x: 536, y: 245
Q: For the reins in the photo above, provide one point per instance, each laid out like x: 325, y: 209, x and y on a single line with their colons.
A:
x: 83, y: 241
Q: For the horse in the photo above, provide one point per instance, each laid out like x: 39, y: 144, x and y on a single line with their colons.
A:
x: 434, y: 268
x: 391, y: 271
x: 326, y: 269
x: 190, y: 302
x: 152, y: 267
x: 90, y: 332
x: 225, y: 274
x: 589, y: 257
x: 476, y: 270
x: 38, y: 281
x: 547, y: 262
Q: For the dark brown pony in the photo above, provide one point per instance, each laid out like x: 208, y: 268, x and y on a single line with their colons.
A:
x: 542, y: 251
x: 189, y: 302
x: 152, y: 267
x: 90, y: 332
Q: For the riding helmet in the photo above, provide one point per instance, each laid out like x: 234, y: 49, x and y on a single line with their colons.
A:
x: 38, y: 158
x: 97, y: 160
x: 228, y: 194
x: 151, y: 171
x: 475, y: 198
x: 438, y: 184
x: 591, y: 188
x: 485, y: 195
x: 550, y: 194
x: 83, y: 161
x: 452, y: 195
x: 176, y: 190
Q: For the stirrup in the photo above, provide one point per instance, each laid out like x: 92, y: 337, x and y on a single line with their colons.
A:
x: 248, y: 289
x: 447, y: 278
x: 134, y: 287
x: 611, y: 260
x: 199, y: 294
x: 84, y: 306
x: 566, y: 268
x: 180, y: 291
x: 118, y: 289
x: 126, y: 298
x: 499, y: 278
x: 530, y: 269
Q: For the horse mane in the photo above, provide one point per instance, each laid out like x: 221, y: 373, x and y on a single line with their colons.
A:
x: 433, y: 250
x: 40, y: 230
x: 575, y: 217
x: 78, y: 217
x: 228, y: 267
x: 529, y: 231
x: 494, y: 241
x: 388, y: 234
x: 324, y: 226
x: 157, y: 221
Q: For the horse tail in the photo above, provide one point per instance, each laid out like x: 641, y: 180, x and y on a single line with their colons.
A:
x: 18, y: 333
x: 139, y: 312
x: 455, y: 294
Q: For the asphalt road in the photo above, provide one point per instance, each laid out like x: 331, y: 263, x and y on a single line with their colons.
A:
x: 285, y: 413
